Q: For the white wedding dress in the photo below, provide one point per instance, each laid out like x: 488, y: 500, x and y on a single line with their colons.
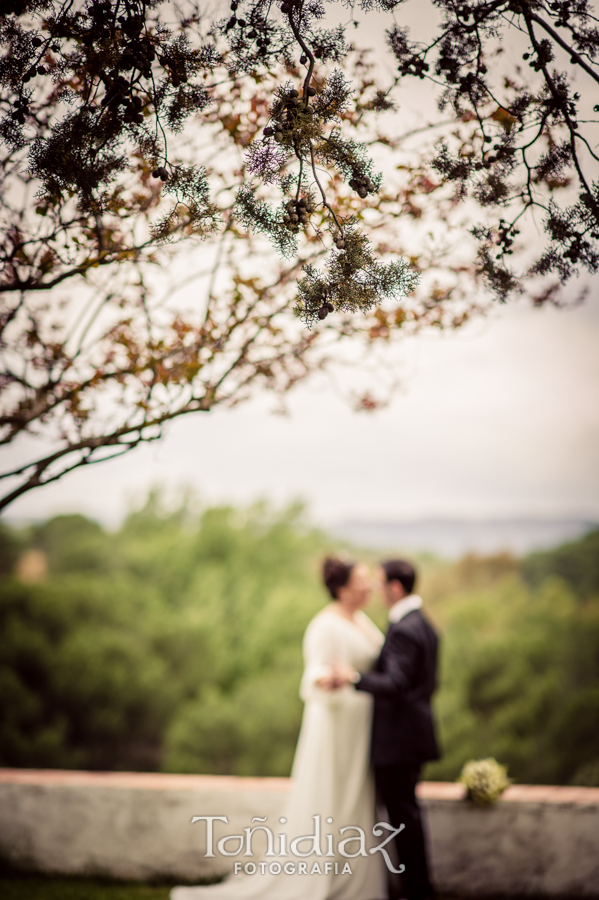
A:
x: 331, y: 778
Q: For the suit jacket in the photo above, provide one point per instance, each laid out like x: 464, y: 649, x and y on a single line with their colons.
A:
x: 402, y: 683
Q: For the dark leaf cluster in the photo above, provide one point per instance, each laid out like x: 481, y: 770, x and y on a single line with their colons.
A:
x: 352, y: 281
x: 128, y: 80
x: 259, y: 216
x: 132, y: 73
x: 533, y: 132
x: 190, y: 188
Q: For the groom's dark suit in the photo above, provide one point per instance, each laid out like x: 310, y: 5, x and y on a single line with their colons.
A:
x: 403, y: 737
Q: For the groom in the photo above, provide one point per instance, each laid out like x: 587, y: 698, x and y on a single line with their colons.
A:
x: 403, y: 736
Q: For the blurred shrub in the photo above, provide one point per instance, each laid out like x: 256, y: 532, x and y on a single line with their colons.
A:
x: 520, y: 669
x: 11, y: 547
x: 175, y: 644
x: 577, y: 563
x: 80, y: 684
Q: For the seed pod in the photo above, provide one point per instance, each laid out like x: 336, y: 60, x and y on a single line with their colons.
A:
x: 329, y: 306
x: 268, y: 131
x: 362, y: 192
x: 323, y: 312
x: 354, y: 184
x: 311, y: 92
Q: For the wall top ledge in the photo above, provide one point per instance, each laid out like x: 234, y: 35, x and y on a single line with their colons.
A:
x: 516, y: 793
x: 160, y: 781
x: 156, y: 781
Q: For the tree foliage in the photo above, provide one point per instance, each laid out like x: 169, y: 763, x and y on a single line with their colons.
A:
x: 175, y: 644
x: 121, y: 76
x: 114, y: 78
x: 534, y: 128
x: 109, y: 364
x: 129, y: 129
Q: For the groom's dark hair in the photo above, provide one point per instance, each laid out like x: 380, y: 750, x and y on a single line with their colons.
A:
x: 402, y: 571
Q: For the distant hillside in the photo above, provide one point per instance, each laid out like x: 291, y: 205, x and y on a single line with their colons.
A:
x: 451, y: 538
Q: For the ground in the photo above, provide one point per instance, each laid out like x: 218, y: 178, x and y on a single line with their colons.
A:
x: 40, y: 887
x: 30, y: 887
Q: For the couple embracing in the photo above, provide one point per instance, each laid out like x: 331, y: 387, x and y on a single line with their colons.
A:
x: 366, y: 730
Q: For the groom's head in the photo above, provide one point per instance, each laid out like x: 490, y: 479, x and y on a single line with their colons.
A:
x: 398, y: 578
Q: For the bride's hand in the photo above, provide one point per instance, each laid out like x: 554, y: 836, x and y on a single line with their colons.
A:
x: 338, y: 676
x: 327, y: 682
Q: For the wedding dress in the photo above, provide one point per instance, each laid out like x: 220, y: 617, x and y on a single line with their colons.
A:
x: 330, y: 779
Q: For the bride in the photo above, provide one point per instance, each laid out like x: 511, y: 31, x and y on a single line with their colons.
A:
x: 331, y: 776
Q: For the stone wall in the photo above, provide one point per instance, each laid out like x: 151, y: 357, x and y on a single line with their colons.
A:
x: 537, y: 841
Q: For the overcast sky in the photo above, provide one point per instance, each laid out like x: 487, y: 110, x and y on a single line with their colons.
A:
x: 498, y: 420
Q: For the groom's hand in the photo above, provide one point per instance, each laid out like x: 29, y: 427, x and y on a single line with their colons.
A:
x: 344, y: 674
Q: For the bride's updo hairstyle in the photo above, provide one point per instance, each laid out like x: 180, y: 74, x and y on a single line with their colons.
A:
x: 336, y: 574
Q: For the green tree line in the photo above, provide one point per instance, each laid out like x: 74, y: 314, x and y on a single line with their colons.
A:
x: 174, y: 644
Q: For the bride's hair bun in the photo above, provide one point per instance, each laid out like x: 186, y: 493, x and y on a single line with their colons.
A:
x: 335, y: 574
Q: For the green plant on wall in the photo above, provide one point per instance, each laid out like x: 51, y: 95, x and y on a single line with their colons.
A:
x: 485, y: 780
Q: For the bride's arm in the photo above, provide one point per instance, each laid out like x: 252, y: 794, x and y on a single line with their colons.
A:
x: 321, y: 652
